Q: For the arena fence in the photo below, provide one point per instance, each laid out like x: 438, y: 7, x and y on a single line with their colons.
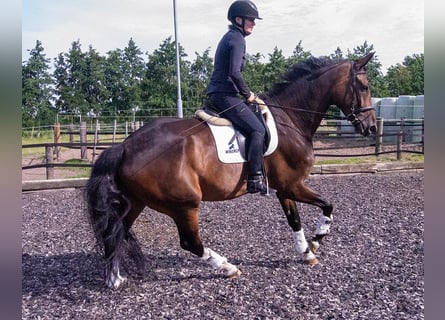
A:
x: 396, y: 136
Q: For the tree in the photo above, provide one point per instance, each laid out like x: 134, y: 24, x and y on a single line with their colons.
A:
x: 337, y: 55
x: 407, y: 78
x: 134, y: 67
x: 122, y: 82
x: 298, y: 54
x: 276, y: 66
x: 93, y: 81
x: 115, y: 83
x: 37, y: 90
x: 124, y: 70
x: 158, y: 86
x: 254, y: 72
x: 196, y: 81
x: 69, y: 75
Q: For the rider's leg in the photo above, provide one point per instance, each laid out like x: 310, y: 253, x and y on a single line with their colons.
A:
x: 233, y: 108
x: 255, y: 180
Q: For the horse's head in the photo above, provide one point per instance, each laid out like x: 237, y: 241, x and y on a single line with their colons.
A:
x: 355, y: 99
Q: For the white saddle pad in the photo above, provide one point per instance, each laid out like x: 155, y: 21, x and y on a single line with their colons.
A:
x: 227, y: 144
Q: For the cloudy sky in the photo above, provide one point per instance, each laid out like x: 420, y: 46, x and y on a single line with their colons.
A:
x: 394, y: 27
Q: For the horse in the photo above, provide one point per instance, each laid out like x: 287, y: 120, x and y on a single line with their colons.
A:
x: 170, y: 165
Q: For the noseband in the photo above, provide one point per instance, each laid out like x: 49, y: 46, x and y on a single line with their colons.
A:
x: 357, y: 108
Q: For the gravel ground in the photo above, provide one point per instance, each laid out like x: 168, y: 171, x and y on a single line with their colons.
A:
x: 371, y: 265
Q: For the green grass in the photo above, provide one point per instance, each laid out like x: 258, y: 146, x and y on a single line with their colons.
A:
x: 48, y: 137
x: 78, y: 172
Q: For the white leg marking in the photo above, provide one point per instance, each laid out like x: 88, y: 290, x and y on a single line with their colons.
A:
x: 324, y: 225
x: 114, y: 279
x: 309, y: 256
x: 300, y: 241
x: 219, y: 263
x: 302, y: 247
x: 315, y: 245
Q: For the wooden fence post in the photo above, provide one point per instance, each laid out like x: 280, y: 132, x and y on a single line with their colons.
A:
x: 97, y: 130
x: 423, y: 135
x: 379, y: 136
x: 49, y: 161
x: 96, y: 139
x: 71, y: 132
x: 402, y: 128
x: 83, y: 140
x: 57, y: 140
x: 399, y: 144
x: 338, y: 128
x: 114, y: 130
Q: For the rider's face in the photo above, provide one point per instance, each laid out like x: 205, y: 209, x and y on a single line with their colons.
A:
x: 249, y: 23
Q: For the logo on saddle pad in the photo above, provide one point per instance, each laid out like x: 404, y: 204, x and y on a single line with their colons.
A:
x: 230, y: 144
x: 232, y: 147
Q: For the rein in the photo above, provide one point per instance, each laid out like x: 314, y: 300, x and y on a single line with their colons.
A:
x: 355, y: 110
x: 325, y: 116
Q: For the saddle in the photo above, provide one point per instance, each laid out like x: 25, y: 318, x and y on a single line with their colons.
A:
x: 209, y: 114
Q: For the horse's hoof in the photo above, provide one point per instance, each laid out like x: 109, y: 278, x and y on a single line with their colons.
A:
x: 315, y: 245
x: 114, y: 282
x: 311, y: 262
x: 310, y: 258
x: 234, y: 275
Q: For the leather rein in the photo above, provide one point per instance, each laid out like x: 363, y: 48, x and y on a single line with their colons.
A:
x: 356, y: 107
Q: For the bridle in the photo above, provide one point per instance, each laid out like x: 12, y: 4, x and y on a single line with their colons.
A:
x: 357, y: 109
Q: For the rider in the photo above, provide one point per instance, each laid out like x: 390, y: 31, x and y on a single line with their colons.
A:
x: 227, y: 83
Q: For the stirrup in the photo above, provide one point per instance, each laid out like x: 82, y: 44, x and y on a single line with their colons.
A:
x: 256, y: 184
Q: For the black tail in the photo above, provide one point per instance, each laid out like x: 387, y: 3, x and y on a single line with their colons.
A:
x: 107, y: 208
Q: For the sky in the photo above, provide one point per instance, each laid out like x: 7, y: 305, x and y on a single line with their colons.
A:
x: 394, y: 27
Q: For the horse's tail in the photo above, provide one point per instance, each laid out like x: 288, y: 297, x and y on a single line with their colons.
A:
x: 107, y: 208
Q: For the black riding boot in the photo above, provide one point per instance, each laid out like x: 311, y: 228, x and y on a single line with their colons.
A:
x: 255, y: 180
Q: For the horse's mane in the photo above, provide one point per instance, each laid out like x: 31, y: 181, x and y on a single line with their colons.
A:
x: 301, y: 70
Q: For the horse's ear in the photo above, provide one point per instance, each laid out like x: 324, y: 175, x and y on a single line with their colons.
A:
x: 361, y: 62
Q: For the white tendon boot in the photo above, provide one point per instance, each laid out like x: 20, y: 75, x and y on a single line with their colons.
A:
x: 302, y: 247
x: 220, y: 263
x: 323, y: 228
x: 114, y: 279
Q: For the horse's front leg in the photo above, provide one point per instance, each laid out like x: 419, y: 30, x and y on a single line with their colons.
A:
x: 323, y: 226
x: 293, y: 219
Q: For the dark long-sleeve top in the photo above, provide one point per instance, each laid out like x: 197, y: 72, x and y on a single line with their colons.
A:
x: 229, y: 63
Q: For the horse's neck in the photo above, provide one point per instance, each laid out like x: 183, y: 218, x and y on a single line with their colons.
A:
x: 303, y: 114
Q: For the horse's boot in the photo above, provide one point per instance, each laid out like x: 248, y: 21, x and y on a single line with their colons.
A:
x: 256, y: 184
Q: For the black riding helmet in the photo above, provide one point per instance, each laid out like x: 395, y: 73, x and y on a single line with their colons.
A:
x: 243, y: 8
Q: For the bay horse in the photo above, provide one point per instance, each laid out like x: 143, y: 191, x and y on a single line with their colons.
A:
x: 171, y: 165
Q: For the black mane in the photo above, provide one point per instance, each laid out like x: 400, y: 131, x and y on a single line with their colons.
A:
x: 303, y: 69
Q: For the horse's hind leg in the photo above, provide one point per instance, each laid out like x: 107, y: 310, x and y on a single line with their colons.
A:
x: 188, y: 229
x: 115, y: 245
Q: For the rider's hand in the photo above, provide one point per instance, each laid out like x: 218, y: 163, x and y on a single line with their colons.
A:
x: 251, y: 97
x: 259, y: 101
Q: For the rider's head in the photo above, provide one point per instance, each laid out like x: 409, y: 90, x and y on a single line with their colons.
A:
x: 241, y: 11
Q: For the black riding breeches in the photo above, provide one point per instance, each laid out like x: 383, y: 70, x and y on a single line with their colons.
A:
x: 245, y: 120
